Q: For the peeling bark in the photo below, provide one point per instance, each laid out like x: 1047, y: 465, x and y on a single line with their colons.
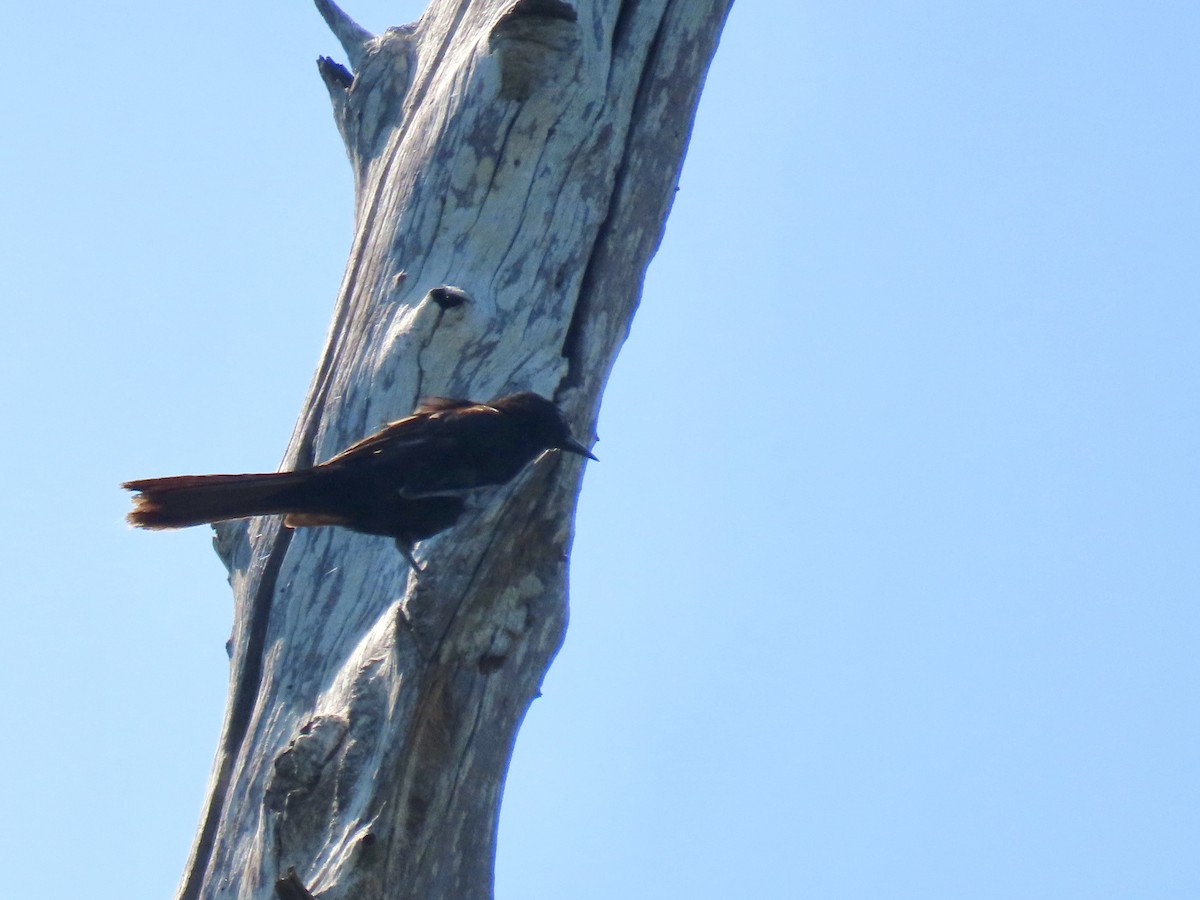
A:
x: 514, y: 164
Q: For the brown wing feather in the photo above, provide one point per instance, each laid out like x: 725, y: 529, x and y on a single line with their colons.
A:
x: 414, y: 427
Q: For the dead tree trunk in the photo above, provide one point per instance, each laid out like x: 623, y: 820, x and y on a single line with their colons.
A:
x: 514, y: 163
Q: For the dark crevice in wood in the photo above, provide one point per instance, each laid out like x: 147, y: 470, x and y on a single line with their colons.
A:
x: 625, y: 12
x: 290, y: 887
x: 545, y: 9
x: 604, y: 234
x: 449, y: 297
x: 598, y: 263
x: 529, y: 38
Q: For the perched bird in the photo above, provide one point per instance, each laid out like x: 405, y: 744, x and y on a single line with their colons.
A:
x: 408, y: 481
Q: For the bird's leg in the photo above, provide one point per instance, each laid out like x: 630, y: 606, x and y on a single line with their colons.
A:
x: 406, y: 550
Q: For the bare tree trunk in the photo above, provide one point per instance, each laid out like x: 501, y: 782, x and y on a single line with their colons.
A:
x: 514, y: 164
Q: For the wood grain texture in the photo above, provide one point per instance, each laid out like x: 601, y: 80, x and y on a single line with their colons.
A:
x: 526, y: 154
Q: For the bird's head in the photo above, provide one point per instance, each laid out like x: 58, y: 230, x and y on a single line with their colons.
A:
x: 542, y: 421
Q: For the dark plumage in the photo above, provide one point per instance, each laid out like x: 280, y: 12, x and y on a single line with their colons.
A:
x: 408, y: 481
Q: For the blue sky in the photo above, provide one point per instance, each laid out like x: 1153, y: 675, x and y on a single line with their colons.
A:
x: 886, y: 583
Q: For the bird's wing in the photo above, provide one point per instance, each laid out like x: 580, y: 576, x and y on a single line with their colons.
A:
x: 424, y: 427
x: 403, y: 431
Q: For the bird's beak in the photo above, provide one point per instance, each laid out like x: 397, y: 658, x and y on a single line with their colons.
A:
x: 570, y: 445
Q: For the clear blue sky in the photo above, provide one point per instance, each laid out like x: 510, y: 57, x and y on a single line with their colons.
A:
x: 886, y: 585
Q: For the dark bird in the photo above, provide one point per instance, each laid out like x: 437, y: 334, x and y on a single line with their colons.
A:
x: 408, y: 481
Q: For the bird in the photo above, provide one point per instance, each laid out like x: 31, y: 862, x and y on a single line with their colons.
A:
x: 408, y: 481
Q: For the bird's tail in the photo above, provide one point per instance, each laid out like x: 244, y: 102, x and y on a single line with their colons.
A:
x: 183, y: 500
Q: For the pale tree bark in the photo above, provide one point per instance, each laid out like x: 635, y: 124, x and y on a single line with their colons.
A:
x: 514, y: 164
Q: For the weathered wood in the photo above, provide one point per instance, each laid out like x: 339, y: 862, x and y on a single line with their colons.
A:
x: 514, y: 164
